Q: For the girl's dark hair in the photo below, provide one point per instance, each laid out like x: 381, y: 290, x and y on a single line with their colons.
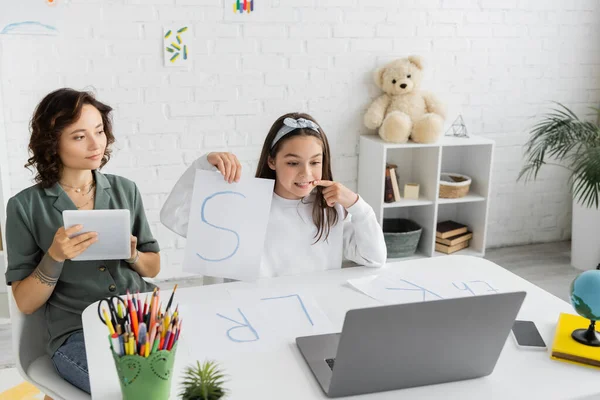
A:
x: 52, y: 115
x: 324, y: 216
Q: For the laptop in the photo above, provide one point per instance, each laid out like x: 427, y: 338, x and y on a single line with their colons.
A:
x: 407, y: 345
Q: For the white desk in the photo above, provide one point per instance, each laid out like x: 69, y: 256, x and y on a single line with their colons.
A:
x: 283, y: 374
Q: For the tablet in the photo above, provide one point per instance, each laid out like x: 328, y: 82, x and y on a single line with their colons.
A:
x: 113, y: 228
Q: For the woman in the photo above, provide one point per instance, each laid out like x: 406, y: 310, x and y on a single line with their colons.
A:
x: 71, y: 134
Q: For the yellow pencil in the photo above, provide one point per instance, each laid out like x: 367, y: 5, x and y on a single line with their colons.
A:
x: 108, y: 322
x: 167, y: 321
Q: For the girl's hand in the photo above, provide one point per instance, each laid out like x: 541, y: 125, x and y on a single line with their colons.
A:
x: 65, y: 248
x: 227, y: 164
x: 335, y: 192
x: 133, y: 247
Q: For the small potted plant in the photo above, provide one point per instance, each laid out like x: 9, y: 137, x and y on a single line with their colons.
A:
x: 203, y: 382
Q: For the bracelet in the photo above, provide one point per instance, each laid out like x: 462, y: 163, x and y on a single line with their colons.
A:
x: 135, y: 259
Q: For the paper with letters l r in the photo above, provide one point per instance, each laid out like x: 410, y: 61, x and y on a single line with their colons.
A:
x: 227, y: 226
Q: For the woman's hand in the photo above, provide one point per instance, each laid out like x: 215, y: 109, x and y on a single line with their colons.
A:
x: 227, y: 164
x: 335, y: 192
x: 65, y: 248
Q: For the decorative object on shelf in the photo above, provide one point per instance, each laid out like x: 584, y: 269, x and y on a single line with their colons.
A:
x: 447, y: 229
x: 401, y: 237
x: 585, y: 299
x: 394, y: 179
x: 388, y: 191
x: 451, y: 236
x: 442, y: 248
x: 404, y: 111
x: 458, y: 128
x: 453, y: 186
x: 456, y: 239
x: 411, y: 191
x: 203, y: 382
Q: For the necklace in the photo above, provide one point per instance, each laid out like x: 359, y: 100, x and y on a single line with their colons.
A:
x: 78, y: 189
x: 86, y: 203
x: 91, y: 186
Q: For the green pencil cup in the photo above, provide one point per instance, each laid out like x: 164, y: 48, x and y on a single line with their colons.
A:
x: 144, y: 378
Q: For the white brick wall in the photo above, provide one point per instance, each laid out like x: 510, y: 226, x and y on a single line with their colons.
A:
x: 498, y: 63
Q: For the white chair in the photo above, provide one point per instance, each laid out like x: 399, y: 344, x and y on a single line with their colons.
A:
x: 30, y: 336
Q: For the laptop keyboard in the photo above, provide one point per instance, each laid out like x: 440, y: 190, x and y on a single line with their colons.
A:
x: 330, y: 362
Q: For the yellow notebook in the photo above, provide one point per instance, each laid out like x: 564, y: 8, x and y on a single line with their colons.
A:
x: 565, y: 348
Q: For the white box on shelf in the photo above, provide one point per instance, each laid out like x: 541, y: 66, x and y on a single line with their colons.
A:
x: 411, y: 191
x: 423, y: 163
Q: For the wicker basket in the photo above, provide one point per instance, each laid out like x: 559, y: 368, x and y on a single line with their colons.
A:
x: 401, y: 236
x: 453, y: 186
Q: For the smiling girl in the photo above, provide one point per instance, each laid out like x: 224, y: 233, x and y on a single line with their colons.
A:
x: 314, y: 221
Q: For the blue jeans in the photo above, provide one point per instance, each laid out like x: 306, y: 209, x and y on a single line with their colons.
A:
x: 70, y: 361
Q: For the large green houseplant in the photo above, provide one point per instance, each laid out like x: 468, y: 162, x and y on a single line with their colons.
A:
x: 561, y: 138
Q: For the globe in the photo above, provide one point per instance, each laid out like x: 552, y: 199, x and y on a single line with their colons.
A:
x: 585, y: 298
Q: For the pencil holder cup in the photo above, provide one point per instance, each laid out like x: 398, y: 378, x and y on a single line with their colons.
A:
x: 144, y: 378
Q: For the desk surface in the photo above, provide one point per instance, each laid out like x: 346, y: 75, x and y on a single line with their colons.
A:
x: 281, y: 373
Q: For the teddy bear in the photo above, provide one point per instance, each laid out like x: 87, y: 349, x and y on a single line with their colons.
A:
x: 404, y: 111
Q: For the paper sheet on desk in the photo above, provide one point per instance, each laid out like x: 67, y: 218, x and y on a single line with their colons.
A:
x: 227, y: 226
x: 257, y: 321
x: 392, y: 287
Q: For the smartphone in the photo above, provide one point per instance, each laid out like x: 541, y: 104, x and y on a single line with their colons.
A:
x: 527, y: 336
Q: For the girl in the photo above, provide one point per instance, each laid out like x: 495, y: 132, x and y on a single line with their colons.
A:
x: 313, y: 221
x: 70, y: 141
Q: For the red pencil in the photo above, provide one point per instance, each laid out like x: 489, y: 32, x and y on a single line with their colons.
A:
x: 161, y: 343
x: 171, y: 341
x: 145, y: 307
x: 139, y: 306
x: 128, y: 299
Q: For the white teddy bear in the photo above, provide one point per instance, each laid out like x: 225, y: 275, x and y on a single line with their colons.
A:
x: 404, y: 111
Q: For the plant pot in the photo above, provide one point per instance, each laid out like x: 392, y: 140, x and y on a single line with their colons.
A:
x: 585, y: 237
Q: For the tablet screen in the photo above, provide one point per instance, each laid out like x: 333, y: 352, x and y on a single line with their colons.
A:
x: 113, y: 228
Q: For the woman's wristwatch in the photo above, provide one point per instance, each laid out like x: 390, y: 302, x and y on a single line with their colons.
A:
x: 133, y: 260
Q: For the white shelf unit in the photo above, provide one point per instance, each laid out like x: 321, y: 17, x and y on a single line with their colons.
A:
x: 423, y: 164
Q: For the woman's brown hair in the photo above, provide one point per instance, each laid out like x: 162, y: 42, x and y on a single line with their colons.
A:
x: 52, y: 115
x: 324, y: 217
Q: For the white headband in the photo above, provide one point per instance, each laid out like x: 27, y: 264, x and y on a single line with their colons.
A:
x: 290, y: 124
